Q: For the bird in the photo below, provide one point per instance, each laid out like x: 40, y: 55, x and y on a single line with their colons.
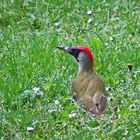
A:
x: 88, y: 88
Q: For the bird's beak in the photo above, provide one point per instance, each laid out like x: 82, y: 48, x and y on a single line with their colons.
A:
x: 66, y: 49
x: 71, y: 51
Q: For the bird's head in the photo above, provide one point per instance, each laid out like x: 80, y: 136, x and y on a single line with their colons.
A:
x: 82, y: 55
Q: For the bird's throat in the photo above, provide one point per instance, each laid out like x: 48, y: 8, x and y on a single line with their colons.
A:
x: 84, y: 66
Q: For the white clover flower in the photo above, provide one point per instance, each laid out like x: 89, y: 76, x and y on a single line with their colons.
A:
x: 31, y: 16
x: 110, y: 98
x: 26, y: 92
x: 52, y: 110
x: 107, y: 88
x: 36, y: 89
x: 89, y: 21
x: 89, y: 12
x: 30, y: 129
x: 111, y: 38
x: 132, y: 107
x: 57, y: 102
x: 37, y: 92
x: 72, y: 115
x: 57, y: 24
x: 70, y: 76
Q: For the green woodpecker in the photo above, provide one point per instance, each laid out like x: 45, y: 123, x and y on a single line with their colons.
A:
x: 87, y: 88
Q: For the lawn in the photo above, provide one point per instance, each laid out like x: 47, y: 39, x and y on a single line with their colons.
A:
x: 35, y: 78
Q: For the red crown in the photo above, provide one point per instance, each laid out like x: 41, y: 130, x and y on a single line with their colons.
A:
x: 87, y: 52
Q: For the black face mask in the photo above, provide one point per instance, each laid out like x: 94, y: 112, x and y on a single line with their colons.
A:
x: 75, y: 53
x: 72, y: 51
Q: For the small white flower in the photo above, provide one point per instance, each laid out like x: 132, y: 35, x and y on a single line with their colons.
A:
x: 52, y: 110
x: 26, y: 92
x: 72, y: 115
x: 36, y: 89
x: 37, y: 92
x: 132, y: 107
x: 57, y: 24
x: 57, y: 102
x: 107, y: 88
x: 30, y: 129
x: 31, y: 16
x: 110, y: 98
x: 126, y: 132
x: 70, y: 76
x: 89, y: 12
x: 89, y: 21
x: 111, y: 38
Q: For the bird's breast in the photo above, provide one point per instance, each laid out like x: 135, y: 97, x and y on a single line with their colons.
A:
x: 79, y: 86
x: 88, y: 90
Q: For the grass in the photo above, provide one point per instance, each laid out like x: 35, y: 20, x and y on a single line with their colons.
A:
x: 29, y: 58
